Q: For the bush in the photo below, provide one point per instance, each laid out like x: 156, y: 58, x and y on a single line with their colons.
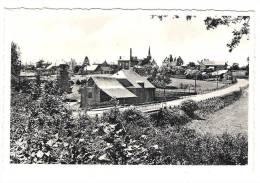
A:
x: 43, y: 131
x: 189, y: 107
x: 173, y: 117
x: 78, y: 82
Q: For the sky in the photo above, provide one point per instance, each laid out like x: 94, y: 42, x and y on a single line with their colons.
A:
x: 58, y: 36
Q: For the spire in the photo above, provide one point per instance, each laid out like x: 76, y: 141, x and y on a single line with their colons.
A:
x: 149, y: 52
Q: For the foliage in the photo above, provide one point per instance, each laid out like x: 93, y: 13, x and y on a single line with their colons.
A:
x: 15, y: 59
x: 212, y: 23
x: 185, y: 147
x: 172, y: 117
x: 52, y: 88
x: 191, y: 64
x: 161, y: 78
x: 189, y: 107
x: 15, y: 65
x: 43, y: 131
x: 235, y: 66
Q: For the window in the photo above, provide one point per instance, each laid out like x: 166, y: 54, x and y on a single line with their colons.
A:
x: 89, y: 94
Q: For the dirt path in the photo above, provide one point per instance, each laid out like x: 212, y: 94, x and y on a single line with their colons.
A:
x: 233, y: 119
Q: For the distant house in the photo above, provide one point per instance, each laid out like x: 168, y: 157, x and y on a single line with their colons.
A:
x: 208, y: 65
x: 91, y: 69
x: 103, y: 68
x: 27, y: 75
x: 126, y: 86
x: 239, y: 73
x: 52, y: 69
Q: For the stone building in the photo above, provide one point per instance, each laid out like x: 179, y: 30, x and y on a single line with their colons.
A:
x: 134, y: 61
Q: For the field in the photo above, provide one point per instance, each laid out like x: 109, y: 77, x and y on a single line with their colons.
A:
x: 201, y: 85
x: 232, y: 119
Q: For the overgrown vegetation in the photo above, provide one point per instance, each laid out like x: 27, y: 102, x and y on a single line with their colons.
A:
x: 43, y: 131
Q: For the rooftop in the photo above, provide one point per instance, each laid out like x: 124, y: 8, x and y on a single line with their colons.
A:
x: 133, y: 78
x: 112, y: 87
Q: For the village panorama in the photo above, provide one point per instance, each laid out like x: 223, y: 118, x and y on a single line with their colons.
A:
x: 132, y: 110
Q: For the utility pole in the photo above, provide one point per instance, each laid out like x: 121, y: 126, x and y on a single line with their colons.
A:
x: 196, y: 83
x: 217, y: 78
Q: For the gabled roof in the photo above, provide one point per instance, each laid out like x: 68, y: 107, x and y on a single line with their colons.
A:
x: 217, y: 73
x: 91, y: 67
x: 133, y: 78
x: 112, y: 87
x: 210, y: 62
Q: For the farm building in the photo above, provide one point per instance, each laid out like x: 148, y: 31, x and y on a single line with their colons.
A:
x: 126, y: 86
x: 102, y: 89
x: 208, y: 65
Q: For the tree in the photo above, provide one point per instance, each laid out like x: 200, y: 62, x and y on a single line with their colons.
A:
x: 214, y: 22
x: 179, y: 61
x: 163, y: 78
x: 191, y: 64
x: 235, y: 66
x: 15, y: 59
x: 243, y: 21
x: 15, y: 64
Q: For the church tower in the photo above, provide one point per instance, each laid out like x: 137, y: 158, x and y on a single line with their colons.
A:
x: 149, y: 53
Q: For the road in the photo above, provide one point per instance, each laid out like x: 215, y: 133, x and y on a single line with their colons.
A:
x: 154, y: 107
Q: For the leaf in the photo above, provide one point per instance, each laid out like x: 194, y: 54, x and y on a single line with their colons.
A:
x: 39, y: 154
x: 104, y: 158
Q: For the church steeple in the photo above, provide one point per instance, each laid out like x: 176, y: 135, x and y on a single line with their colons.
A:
x: 149, y: 53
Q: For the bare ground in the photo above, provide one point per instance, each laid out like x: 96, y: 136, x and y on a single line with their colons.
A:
x: 233, y: 119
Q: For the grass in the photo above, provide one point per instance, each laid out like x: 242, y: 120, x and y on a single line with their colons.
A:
x: 233, y: 119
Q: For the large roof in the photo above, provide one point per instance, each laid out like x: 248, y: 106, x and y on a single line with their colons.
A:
x: 133, y: 78
x: 91, y: 67
x: 219, y: 72
x: 210, y: 62
x: 112, y: 87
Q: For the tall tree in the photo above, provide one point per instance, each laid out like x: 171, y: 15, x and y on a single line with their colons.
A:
x: 162, y: 78
x: 179, y: 61
x: 15, y: 59
x: 15, y: 66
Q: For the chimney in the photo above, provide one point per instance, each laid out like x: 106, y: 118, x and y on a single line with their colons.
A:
x: 130, y: 53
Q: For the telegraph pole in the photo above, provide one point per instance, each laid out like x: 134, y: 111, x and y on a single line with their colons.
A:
x: 217, y: 78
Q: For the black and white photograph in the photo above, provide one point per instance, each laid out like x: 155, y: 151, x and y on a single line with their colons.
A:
x: 119, y: 86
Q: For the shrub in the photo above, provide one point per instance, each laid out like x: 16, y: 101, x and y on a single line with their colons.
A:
x: 173, y: 117
x: 78, y: 82
x: 189, y: 107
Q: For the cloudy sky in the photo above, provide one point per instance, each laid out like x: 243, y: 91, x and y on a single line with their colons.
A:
x: 105, y: 35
